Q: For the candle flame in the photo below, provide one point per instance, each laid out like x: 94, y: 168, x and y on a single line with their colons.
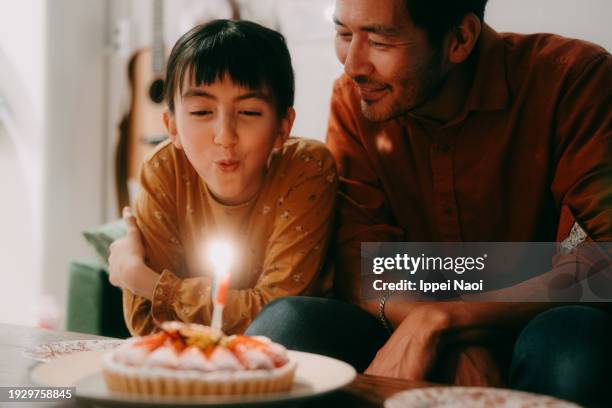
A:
x: 221, y: 255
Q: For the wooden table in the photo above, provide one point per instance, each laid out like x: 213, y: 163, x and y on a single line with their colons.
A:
x: 364, y: 392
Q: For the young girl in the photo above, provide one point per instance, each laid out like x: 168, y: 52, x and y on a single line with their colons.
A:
x: 229, y: 169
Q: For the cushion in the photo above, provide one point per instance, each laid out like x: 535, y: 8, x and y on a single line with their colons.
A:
x: 101, y: 237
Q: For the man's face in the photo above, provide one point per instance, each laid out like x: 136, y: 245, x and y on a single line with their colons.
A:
x: 227, y: 133
x: 390, y: 60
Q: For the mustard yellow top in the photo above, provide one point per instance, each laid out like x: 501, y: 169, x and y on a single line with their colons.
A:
x: 280, y: 236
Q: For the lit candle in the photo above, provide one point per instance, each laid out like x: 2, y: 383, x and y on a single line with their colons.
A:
x: 220, y: 255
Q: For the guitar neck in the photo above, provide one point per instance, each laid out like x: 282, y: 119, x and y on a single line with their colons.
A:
x: 158, y: 47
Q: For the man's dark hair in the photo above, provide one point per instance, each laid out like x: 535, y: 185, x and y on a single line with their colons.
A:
x: 253, y: 56
x: 439, y: 17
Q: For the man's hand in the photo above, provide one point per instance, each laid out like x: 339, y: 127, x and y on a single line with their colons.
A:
x: 126, y: 255
x: 411, y: 352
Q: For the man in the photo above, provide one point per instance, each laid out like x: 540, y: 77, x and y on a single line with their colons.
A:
x: 445, y: 130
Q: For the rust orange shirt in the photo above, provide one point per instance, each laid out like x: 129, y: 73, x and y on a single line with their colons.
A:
x: 529, y: 155
x: 280, y: 236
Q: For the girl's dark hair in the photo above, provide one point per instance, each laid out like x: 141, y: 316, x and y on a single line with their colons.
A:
x: 439, y: 17
x: 252, y: 55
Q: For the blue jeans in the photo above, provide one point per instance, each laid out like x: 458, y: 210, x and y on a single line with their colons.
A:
x: 565, y: 352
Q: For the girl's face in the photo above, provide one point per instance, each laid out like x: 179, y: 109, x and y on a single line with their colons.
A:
x: 227, y: 133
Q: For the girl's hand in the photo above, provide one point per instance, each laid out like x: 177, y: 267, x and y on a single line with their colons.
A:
x: 126, y: 255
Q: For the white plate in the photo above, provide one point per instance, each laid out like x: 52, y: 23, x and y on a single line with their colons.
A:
x: 315, y: 375
x: 472, y: 397
x: 46, y: 352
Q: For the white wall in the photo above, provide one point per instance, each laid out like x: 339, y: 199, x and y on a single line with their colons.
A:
x: 309, y: 31
x: 76, y: 132
x: 22, y: 113
x: 22, y: 29
x: 53, y: 166
x: 585, y: 19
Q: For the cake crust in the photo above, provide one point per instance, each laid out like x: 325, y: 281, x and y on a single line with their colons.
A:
x: 191, y: 360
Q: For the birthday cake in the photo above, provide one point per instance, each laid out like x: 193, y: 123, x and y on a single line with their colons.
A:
x: 190, y: 359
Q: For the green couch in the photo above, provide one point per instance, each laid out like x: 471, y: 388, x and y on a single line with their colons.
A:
x: 94, y: 305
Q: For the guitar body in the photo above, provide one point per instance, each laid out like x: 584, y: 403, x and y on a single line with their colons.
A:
x: 142, y: 128
x: 146, y: 126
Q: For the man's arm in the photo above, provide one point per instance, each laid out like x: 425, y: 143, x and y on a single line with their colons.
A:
x: 582, y: 182
x: 464, y: 320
